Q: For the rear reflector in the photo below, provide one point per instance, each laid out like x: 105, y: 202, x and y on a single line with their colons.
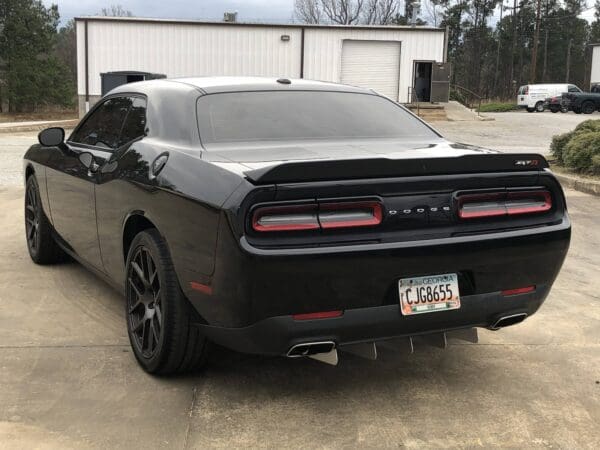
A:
x: 523, y: 290
x: 476, y: 206
x: 315, y: 216
x: 318, y: 315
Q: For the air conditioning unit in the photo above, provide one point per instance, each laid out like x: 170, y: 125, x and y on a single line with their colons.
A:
x: 230, y: 17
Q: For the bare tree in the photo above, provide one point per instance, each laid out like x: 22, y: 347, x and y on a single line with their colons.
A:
x: 380, y: 12
x: 434, y: 12
x: 116, y: 11
x: 308, y: 11
x: 347, y: 12
x: 344, y: 12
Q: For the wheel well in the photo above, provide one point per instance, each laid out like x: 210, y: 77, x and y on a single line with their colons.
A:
x: 28, y: 172
x: 135, y: 224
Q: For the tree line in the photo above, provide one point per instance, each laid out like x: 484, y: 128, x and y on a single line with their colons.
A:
x: 38, y: 58
x: 494, y: 46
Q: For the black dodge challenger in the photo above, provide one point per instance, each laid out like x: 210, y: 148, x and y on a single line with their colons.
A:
x: 290, y: 217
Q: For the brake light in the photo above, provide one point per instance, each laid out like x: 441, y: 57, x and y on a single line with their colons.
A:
x: 317, y: 216
x: 476, y: 206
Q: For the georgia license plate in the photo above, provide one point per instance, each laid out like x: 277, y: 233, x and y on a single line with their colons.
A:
x: 429, y: 294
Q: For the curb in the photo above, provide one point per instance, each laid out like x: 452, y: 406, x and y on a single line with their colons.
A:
x: 580, y: 184
x: 40, y: 126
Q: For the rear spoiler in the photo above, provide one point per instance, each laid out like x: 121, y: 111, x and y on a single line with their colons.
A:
x: 325, y: 170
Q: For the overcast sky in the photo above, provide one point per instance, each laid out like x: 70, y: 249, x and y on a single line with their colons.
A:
x: 248, y: 10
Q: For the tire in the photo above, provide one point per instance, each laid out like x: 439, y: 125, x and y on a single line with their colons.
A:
x: 155, y: 305
x: 576, y: 110
x: 564, y: 109
x: 554, y: 109
x: 588, y: 107
x: 539, y: 107
x: 42, y: 247
x: 530, y: 110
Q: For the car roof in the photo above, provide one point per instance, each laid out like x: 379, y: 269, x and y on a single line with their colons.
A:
x: 211, y: 85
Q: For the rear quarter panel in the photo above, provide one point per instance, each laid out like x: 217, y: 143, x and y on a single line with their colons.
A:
x: 183, y: 202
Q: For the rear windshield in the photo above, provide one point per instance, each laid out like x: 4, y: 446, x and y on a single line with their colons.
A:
x: 303, y: 115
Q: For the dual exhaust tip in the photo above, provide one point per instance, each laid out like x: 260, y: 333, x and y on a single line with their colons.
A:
x: 326, y: 351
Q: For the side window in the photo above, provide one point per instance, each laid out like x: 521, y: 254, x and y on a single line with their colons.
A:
x: 103, y: 127
x: 573, y: 88
x: 135, y: 122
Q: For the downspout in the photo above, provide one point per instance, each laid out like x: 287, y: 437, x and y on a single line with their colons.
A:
x: 446, y: 39
x: 302, y: 53
x: 87, y: 78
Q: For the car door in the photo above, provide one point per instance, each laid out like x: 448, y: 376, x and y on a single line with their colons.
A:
x: 71, y: 185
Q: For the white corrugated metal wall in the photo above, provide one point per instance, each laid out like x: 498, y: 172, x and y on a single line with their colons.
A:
x: 200, y: 49
x: 595, y: 75
x: 323, y: 50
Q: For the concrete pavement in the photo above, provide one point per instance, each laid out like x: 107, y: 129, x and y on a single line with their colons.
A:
x: 69, y: 380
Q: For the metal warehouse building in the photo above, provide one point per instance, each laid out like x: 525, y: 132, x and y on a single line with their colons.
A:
x: 397, y: 61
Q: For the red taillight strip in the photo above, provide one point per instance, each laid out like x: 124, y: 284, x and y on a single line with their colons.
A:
x: 530, y: 207
x: 285, y: 218
x: 318, y: 315
x: 475, y: 206
x: 523, y: 290
x: 481, y: 205
x: 314, y: 216
x: 362, y: 214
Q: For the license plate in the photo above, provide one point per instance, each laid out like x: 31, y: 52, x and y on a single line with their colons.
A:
x: 429, y: 294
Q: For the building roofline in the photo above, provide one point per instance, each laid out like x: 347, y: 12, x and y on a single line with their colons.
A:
x: 255, y: 24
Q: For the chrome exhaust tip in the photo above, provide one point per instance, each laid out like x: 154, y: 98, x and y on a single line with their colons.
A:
x: 310, y: 348
x: 323, y: 351
x: 507, y: 321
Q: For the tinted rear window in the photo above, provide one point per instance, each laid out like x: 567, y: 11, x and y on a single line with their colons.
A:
x: 303, y: 115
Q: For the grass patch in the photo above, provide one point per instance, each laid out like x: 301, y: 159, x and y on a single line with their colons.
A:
x: 498, y: 107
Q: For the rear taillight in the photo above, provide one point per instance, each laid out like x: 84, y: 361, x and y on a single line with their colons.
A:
x: 476, y: 206
x: 317, y: 216
x: 285, y: 218
x: 351, y: 214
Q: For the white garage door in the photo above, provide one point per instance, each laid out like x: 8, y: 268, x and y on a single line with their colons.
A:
x: 372, y: 64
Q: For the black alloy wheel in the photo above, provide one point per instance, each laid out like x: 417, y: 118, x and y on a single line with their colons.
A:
x: 161, y: 323
x: 32, y: 218
x: 144, y: 302
x: 41, y: 245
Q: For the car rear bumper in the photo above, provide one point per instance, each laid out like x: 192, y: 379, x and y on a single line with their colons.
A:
x: 277, y: 335
x: 254, y: 293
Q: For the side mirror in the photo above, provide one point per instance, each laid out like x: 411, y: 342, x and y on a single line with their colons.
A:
x: 51, y: 137
x: 87, y: 159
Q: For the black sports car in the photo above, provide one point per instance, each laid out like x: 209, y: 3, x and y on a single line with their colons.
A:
x: 290, y: 217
